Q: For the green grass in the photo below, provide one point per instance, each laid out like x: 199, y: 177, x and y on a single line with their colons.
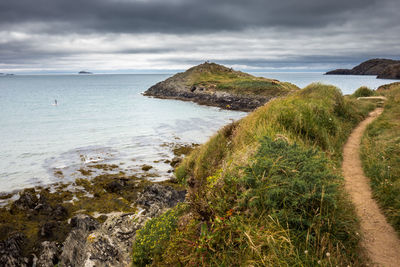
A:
x: 363, y: 92
x: 380, y: 153
x: 267, y: 190
x: 219, y: 78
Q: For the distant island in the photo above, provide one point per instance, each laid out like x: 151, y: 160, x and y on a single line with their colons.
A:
x: 84, y: 72
x: 216, y: 85
x: 383, y: 68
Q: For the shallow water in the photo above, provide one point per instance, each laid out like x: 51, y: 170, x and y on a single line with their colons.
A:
x: 105, y: 119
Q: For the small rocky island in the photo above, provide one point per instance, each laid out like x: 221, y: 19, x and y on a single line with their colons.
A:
x: 84, y: 72
x: 383, y: 68
x: 216, y: 85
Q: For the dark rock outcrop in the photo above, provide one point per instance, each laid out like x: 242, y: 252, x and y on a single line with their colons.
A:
x: 218, y: 99
x: 383, y: 68
x: 390, y: 72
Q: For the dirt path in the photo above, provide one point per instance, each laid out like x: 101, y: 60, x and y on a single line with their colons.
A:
x: 379, y: 238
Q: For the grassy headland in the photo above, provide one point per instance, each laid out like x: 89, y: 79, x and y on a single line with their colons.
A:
x: 219, y: 78
x: 217, y: 85
x: 380, y: 153
x: 265, y: 191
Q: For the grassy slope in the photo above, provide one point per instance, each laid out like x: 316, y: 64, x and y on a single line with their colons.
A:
x: 380, y: 154
x: 267, y: 191
x: 220, y: 78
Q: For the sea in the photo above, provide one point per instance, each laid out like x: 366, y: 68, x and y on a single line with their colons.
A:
x: 105, y: 119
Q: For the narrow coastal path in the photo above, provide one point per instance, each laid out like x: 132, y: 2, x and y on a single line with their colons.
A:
x: 379, y: 239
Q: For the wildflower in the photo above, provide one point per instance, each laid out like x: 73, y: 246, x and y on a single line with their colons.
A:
x: 328, y: 254
x: 229, y: 212
x: 319, y: 262
x: 306, y: 252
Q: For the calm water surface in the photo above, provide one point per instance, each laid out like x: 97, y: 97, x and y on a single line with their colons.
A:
x: 105, y: 119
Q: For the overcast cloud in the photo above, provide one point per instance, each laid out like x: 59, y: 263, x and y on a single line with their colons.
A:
x: 112, y: 35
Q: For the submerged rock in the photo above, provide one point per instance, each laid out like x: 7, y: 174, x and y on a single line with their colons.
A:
x: 28, y: 200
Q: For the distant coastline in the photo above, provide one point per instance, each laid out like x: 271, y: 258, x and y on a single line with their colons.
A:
x: 383, y: 68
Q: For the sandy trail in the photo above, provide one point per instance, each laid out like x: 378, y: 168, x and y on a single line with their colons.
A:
x: 380, y: 241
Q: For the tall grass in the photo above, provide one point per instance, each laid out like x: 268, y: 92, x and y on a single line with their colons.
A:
x: 363, y: 92
x: 266, y: 191
x: 380, y: 154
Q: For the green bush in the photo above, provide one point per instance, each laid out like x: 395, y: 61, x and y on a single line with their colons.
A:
x: 363, y: 92
x: 154, y: 235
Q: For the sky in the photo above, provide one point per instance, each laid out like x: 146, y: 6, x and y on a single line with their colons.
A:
x: 112, y: 36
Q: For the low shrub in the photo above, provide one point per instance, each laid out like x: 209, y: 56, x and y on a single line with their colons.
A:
x: 154, y: 235
x: 363, y: 92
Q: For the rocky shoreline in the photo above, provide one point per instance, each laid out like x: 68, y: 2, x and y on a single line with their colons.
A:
x: 91, y: 222
x: 216, y: 99
x: 89, y: 242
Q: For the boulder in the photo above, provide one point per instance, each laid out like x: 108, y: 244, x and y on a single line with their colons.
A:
x: 49, y: 254
x: 11, y: 251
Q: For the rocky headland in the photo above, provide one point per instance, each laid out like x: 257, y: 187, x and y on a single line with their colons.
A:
x: 216, y: 85
x: 383, y: 68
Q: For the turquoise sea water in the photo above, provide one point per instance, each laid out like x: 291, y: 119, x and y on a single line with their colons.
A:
x: 105, y: 119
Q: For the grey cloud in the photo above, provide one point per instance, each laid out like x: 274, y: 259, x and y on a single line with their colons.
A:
x: 172, y: 16
x: 253, y: 33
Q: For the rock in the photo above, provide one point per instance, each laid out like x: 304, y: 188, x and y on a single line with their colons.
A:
x: 27, y: 200
x: 11, y: 251
x: 49, y: 255
x: 60, y: 212
x: 383, y: 68
x: 161, y: 196
x: 110, y: 244
x: 74, y: 253
x: 107, y: 245
x: 115, y: 186
x: 43, y: 208
x: 175, y: 161
x: 46, y: 230
x: 84, y: 222
x: 390, y: 72
x: 146, y: 167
